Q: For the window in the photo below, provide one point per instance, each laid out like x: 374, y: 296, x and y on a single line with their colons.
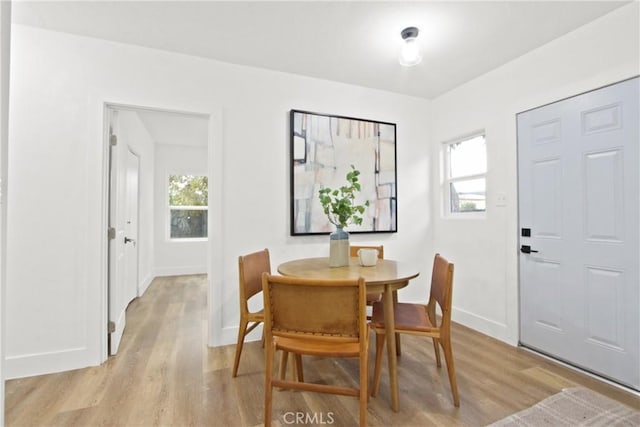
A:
x: 465, y: 173
x: 188, y: 206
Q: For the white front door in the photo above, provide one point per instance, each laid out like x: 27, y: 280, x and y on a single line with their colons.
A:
x: 579, y: 213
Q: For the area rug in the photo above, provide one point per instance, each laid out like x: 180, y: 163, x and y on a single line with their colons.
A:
x: 574, y: 407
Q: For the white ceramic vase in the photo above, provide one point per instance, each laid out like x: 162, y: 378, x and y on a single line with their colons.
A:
x: 339, y: 248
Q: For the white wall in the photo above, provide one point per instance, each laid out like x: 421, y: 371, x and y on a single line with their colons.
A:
x: 56, y: 259
x: 174, y: 257
x: 132, y: 133
x: 486, y: 250
x: 5, y: 36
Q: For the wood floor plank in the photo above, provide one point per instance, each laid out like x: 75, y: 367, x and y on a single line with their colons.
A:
x: 165, y: 375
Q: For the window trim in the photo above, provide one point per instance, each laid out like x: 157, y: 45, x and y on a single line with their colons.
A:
x: 447, y: 180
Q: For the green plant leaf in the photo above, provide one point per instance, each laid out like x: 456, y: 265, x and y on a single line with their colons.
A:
x: 339, y: 204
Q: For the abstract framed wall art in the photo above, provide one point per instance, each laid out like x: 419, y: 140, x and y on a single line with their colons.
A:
x: 323, y: 148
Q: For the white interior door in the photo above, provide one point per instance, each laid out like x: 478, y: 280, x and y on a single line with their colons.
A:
x: 579, y: 213
x: 123, y: 230
x: 116, y: 238
x: 131, y: 227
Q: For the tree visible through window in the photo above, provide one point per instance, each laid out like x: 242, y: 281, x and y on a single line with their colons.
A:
x: 188, y: 206
x: 466, y: 174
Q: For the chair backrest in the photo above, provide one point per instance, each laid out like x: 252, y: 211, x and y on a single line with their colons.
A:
x: 353, y: 250
x: 442, y: 287
x: 315, y: 308
x: 250, y: 268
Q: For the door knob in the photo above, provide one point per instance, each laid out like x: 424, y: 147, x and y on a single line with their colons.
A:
x: 526, y: 249
x: 128, y: 240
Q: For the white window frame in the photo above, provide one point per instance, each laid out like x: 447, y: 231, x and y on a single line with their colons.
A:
x: 447, y: 180
x: 185, y: 208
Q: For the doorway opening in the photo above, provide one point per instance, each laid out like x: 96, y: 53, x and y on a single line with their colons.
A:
x: 146, y: 146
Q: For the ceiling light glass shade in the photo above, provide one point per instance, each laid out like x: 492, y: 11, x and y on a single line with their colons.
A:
x: 410, y: 53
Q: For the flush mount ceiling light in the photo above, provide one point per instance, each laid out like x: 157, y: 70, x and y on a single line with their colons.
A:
x: 410, y: 52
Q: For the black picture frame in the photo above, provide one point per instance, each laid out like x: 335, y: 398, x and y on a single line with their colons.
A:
x: 322, y: 149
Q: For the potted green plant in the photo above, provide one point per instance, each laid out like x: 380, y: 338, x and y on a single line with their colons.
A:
x: 341, y: 209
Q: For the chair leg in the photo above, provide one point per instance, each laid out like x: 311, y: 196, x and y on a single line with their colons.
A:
x: 448, y: 357
x: 436, y: 350
x: 268, y: 389
x: 242, y: 330
x: 364, y: 392
x: 294, y: 366
x: 378, y: 364
x: 282, y: 369
x: 299, y: 366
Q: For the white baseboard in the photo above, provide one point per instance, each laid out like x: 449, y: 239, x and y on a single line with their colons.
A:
x: 144, y: 285
x: 481, y: 324
x: 28, y: 365
x: 180, y: 271
x: 230, y: 335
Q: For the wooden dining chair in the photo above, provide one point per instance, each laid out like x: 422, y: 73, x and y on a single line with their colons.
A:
x: 316, y: 317
x: 250, y: 268
x: 419, y: 319
x: 353, y: 252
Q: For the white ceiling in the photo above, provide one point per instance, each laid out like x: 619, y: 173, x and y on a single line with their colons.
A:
x: 171, y: 128
x: 355, y: 42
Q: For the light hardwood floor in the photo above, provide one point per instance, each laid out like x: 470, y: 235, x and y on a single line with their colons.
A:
x: 164, y: 374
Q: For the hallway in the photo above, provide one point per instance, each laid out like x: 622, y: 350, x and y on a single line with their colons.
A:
x: 155, y: 378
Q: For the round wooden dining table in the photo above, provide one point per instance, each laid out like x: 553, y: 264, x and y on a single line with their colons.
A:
x: 386, y: 277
